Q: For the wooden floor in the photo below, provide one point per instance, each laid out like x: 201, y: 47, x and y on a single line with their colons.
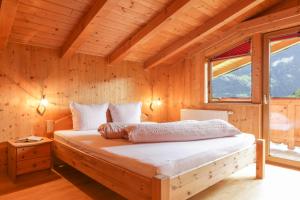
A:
x: 66, y: 183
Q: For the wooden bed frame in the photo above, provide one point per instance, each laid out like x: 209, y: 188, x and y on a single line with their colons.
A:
x: 134, y: 186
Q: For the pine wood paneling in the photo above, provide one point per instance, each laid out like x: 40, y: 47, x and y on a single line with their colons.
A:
x: 149, y: 29
x: 119, y: 24
x: 193, y: 15
x: 200, y: 11
x: 8, y: 9
x: 272, y: 22
x: 52, y: 17
x: 226, y: 16
x: 56, y: 24
x: 86, y: 26
x: 26, y: 70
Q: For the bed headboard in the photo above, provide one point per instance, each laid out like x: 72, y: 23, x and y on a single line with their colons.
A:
x: 64, y: 123
x: 193, y: 114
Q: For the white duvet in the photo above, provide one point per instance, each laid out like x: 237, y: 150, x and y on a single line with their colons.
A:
x: 181, y: 131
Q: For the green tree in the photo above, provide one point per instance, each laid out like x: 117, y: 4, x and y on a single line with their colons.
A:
x: 295, y: 94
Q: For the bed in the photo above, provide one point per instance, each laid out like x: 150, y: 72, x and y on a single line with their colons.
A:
x: 157, y: 171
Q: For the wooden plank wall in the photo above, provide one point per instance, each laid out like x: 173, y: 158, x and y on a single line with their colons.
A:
x: 185, y: 86
x: 26, y: 70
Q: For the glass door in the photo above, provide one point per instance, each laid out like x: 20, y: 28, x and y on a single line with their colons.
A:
x: 282, y: 96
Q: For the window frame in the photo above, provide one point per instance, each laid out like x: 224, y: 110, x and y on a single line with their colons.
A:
x: 210, y: 77
x: 280, y: 34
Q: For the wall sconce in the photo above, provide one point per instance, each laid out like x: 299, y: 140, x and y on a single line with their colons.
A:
x: 41, y: 109
x: 155, y: 103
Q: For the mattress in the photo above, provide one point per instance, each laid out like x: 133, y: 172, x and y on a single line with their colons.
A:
x: 166, y: 158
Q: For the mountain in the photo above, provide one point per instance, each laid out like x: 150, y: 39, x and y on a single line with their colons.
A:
x: 284, y: 73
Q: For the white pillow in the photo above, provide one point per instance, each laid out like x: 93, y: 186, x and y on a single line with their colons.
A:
x: 88, y: 117
x: 126, y: 113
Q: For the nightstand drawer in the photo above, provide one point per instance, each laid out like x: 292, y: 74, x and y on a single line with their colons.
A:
x: 33, y: 165
x: 25, y: 153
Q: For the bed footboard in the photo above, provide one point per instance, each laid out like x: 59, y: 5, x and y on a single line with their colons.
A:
x: 190, y: 183
x: 134, y: 186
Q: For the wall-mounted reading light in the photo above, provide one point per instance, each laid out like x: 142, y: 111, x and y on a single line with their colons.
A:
x: 155, y: 103
x: 41, y: 109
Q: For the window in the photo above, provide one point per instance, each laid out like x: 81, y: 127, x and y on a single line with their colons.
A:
x: 285, y: 66
x: 230, y: 75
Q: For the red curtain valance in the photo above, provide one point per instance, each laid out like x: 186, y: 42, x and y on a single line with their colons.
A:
x: 284, y: 37
x: 238, y: 51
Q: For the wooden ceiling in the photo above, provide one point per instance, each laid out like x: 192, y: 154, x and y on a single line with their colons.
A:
x: 149, y: 31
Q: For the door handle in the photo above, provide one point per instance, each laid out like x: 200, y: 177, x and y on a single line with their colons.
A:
x: 266, y: 99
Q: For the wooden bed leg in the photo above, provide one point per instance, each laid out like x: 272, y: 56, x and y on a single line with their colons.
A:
x: 160, y: 187
x: 260, y: 158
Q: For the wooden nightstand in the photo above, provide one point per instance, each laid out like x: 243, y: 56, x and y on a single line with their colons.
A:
x: 28, y: 157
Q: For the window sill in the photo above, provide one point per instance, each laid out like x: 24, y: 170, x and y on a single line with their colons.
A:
x: 232, y: 103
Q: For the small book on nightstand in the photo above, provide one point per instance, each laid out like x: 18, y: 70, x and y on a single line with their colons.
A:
x: 29, y: 139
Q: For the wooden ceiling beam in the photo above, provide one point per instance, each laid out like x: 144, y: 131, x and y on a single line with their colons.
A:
x: 229, y: 14
x: 86, y: 26
x: 8, y: 10
x: 151, y: 28
x: 274, y: 21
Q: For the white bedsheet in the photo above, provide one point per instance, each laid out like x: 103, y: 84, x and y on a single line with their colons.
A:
x: 167, y: 158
